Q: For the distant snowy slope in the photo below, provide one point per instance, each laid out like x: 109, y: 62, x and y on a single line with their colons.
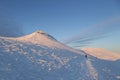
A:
x: 39, y: 56
x: 102, y: 53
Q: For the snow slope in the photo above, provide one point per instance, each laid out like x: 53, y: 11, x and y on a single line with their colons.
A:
x: 106, y: 63
x: 39, y: 56
x: 102, y: 53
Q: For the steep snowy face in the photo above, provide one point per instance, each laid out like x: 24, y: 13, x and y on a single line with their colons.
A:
x: 102, y: 53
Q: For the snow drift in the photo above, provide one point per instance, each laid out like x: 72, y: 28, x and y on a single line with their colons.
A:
x: 39, y: 56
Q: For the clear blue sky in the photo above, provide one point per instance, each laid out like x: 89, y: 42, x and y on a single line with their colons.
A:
x: 62, y: 18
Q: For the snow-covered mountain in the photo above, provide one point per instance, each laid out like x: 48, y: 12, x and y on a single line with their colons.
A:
x: 102, y: 53
x: 39, y: 56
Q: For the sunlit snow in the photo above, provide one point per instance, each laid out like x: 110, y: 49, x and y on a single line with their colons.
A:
x: 39, y: 56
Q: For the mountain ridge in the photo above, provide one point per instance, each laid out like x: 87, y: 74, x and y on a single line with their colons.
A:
x: 102, y: 53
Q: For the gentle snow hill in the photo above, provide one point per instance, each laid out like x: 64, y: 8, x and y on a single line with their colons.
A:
x: 102, y: 53
x: 39, y: 56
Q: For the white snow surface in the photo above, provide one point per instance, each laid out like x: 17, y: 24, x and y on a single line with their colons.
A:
x: 102, y: 53
x: 39, y: 56
x: 92, y: 71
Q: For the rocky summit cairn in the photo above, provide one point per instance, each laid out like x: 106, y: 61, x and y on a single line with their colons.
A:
x: 40, y: 31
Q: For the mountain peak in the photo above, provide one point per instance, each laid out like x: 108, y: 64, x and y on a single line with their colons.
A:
x: 40, y: 31
x: 38, y: 37
x: 41, y: 34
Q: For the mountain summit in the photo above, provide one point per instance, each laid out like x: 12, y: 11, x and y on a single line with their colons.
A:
x: 38, y: 37
x: 40, y: 31
x: 41, y: 38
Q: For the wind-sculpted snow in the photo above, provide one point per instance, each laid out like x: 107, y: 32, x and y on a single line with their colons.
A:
x: 21, y: 59
x: 24, y: 61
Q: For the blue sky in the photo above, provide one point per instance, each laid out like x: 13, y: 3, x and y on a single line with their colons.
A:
x: 65, y: 19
